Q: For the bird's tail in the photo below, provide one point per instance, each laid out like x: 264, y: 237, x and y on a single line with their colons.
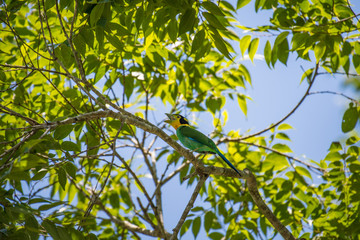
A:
x: 228, y: 162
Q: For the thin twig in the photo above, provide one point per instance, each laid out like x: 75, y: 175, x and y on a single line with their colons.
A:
x: 335, y: 93
x: 189, y: 206
x: 291, y: 112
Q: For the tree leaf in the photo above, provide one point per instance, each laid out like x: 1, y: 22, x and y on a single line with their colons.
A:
x: 253, y: 48
x: 50, y: 227
x: 96, y: 13
x: 282, y: 148
x: 187, y: 21
x: 319, y: 50
x: 196, y: 226
x: 283, y: 51
x: 70, y: 146
x: 220, y: 44
x: 242, y: 3
x: 267, y: 53
x: 213, y: 21
x: 63, y: 131
x: 198, y: 41
x: 62, y: 177
x: 303, y: 171
x: 299, y: 40
x: 282, y: 136
x: 71, y: 169
x: 209, y: 218
x: 244, y: 43
x: 356, y: 62
x: 212, y: 7
x: 242, y: 103
x: 350, y: 119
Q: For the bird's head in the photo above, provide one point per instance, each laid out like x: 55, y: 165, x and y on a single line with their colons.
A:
x: 176, y: 120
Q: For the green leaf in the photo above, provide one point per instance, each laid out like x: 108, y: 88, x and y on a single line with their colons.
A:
x: 242, y: 3
x: 282, y: 148
x: 185, y: 227
x: 71, y: 169
x: 115, y: 41
x: 282, y: 136
x: 242, y: 103
x: 213, y: 21
x: 307, y: 74
x: 267, y: 53
x: 350, y: 119
x: 125, y: 197
x: 357, y: 48
x: 46, y: 207
x: 253, y: 48
x: 274, y: 161
x: 214, y: 103
x: 352, y: 140
x: 39, y: 175
x: 139, y: 17
x: 172, y: 30
x: 220, y: 44
x: 70, y: 146
x: 187, y: 21
x: 303, y: 171
x: 216, y: 236
x: 284, y: 126
x: 14, y: 6
x: 245, y: 73
x: 114, y: 200
x: 335, y: 147
x: 62, y: 177
x: 64, y: 233
x: 263, y: 225
x: 80, y: 44
x: 32, y: 143
x: 356, y: 62
x: 31, y: 224
x: 196, y: 226
x: 244, y: 43
x: 18, y: 174
x: 212, y: 7
x: 198, y: 41
x: 319, y: 50
x: 51, y: 229
x: 283, y: 51
x: 299, y: 40
x: 62, y: 131
x: 96, y: 13
x: 209, y: 218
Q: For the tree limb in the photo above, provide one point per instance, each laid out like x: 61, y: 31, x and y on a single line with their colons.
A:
x: 189, y: 206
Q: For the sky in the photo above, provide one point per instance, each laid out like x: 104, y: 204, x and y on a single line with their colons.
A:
x: 274, y: 93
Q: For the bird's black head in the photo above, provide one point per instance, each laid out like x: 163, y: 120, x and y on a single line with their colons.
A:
x: 176, y: 120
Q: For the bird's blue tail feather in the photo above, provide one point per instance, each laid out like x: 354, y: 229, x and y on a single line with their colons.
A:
x: 227, y: 161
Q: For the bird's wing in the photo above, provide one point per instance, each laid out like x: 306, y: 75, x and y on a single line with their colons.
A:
x: 197, y: 136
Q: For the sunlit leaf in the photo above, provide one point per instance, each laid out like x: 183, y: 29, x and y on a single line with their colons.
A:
x: 350, y: 119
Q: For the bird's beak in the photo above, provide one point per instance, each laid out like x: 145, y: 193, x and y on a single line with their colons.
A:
x: 170, y: 118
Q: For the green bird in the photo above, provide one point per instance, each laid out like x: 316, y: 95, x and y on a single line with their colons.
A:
x: 193, y: 139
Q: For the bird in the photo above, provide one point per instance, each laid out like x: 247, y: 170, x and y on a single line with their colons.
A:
x: 195, y: 140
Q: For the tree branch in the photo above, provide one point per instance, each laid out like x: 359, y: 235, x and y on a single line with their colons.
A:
x: 264, y: 209
x: 189, y: 206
